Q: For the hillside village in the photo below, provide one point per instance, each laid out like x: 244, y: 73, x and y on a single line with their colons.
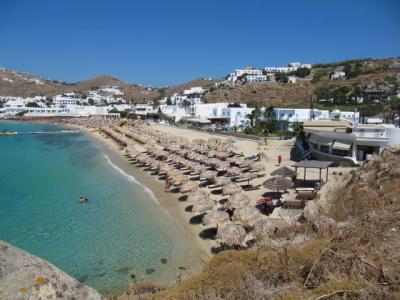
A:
x: 355, y: 91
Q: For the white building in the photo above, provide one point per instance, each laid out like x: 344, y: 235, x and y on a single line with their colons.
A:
x: 194, y: 90
x: 174, y: 112
x: 292, y: 67
x: 221, y: 115
x: 61, y: 100
x: 255, y: 74
x: 292, y: 79
x: 293, y: 115
x: 351, y: 116
x: 347, y: 144
x: 256, y: 78
x: 338, y: 75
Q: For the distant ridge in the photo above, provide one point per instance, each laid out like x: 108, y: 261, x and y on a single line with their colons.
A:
x: 269, y: 93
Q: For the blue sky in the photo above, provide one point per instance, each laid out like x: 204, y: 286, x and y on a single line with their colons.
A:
x: 166, y: 42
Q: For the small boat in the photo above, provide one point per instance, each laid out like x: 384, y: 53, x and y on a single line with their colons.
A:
x: 82, y: 199
x: 8, y: 133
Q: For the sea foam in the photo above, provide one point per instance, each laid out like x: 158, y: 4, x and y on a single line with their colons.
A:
x: 132, y: 179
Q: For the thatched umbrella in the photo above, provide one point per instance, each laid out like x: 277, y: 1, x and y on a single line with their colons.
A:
x: 216, y: 218
x: 266, y: 227
x: 258, y: 166
x: 247, y: 216
x: 211, y: 153
x: 222, y: 155
x: 238, y: 200
x: 222, y: 180
x: 203, y: 206
x: 249, y: 176
x: 231, y: 189
x: 188, y: 186
x: 174, y: 173
x: 284, y: 171
x: 179, y: 180
x: 222, y: 166
x: 233, y: 171
x: 209, y: 175
x: 278, y: 183
x: 197, y: 196
x: 231, y: 234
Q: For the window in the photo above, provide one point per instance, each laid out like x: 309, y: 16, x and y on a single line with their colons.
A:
x: 324, y: 148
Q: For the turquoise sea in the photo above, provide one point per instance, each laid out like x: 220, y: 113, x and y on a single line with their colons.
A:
x: 121, y: 229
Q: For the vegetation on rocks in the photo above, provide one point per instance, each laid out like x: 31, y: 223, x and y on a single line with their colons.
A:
x: 346, y: 247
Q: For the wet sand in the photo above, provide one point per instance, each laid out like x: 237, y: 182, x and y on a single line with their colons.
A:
x: 199, y: 250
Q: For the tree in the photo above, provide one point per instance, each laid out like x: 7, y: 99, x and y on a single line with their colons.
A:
x: 297, y: 128
x: 302, y: 72
x: 281, y: 77
x: 169, y: 102
x: 32, y: 104
x: 91, y: 101
x: 340, y: 94
x: 323, y: 92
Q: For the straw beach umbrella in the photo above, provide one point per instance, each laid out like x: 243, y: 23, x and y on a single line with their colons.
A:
x: 209, y: 175
x: 231, y: 189
x: 238, y: 200
x: 246, y: 216
x: 233, y: 171
x: 215, y: 218
x: 188, y: 186
x: 196, y: 196
x: 278, y: 183
x: 284, y: 171
x: 203, y: 205
x: 231, y: 235
x: 222, y: 180
x: 258, y: 167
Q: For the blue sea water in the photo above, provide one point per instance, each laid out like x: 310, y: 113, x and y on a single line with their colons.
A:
x: 120, y: 228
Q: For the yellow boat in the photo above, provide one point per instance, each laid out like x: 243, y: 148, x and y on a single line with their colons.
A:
x: 8, y: 133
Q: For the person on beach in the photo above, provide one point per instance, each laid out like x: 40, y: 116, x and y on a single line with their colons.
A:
x: 279, y: 159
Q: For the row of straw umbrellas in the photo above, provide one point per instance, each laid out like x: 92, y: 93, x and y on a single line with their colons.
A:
x: 181, y: 161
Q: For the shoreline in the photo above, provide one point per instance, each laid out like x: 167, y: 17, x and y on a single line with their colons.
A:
x: 199, y: 250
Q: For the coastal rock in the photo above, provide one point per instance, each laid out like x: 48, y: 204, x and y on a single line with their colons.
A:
x: 25, y: 276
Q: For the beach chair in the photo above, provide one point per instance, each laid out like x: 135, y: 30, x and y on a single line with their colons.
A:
x: 294, y: 204
x: 306, y: 195
x: 250, y: 187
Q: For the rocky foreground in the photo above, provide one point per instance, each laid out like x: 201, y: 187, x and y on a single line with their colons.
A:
x: 25, y: 276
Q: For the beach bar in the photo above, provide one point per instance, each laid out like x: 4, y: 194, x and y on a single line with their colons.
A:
x: 314, y: 164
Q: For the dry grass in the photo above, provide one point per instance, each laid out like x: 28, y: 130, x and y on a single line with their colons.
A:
x: 358, y: 258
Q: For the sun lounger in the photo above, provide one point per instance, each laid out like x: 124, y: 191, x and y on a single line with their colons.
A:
x: 306, y: 195
x: 294, y: 204
x: 247, y: 188
x: 239, y: 179
x: 214, y: 186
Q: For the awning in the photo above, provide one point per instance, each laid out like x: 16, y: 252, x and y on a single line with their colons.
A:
x: 341, y: 146
x: 202, y: 121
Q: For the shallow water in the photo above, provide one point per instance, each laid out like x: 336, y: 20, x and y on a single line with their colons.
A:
x: 121, y: 229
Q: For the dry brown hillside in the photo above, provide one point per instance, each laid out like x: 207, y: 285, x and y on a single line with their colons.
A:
x: 373, y: 74
x: 21, y: 84
x: 345, y: 247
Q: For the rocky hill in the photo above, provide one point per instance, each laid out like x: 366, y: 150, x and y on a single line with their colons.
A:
x: 24, y: 276
x: 366, y: 73
x: 25, y: 85
x: 343, y: 247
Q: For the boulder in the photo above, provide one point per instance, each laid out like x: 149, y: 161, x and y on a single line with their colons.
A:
x: 25, y: 276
